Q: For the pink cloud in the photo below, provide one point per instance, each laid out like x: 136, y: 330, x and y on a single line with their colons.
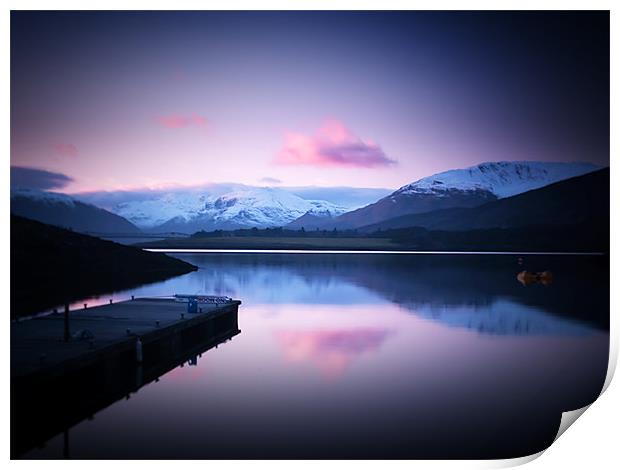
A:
x: 66, y: 150
x: 181, y: 121
x: 332, y: 145
x: 331, y: 351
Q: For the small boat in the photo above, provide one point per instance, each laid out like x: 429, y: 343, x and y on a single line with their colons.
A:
x: 526, y: 278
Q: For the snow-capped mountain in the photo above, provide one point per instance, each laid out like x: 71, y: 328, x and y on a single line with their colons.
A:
x: 245, y: 208
x: 266, y: 207
x: 151, y: 213
x: 44, y: 197
x: 64, y: 211
x: 231, y: 206
x: 581, y: 200
x: 467, y: 187
x: 503, y: 179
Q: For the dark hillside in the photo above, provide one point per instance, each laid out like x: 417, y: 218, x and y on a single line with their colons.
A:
x: 50, y: 266
x: 71, y: 214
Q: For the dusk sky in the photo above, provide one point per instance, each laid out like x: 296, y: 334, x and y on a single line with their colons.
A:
x: 122, y: 100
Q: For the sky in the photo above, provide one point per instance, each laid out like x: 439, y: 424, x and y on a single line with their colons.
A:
x: 122, y: 101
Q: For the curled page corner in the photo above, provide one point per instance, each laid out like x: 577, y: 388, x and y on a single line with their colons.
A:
x: 611, y: 364
x: 515, y: 462
x: 568, y: 418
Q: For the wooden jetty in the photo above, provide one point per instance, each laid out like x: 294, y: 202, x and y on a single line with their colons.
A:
x: 112, y: 351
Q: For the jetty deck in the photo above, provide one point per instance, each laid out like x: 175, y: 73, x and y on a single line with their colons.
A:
x: 38, y: 344
x: 56, y: 383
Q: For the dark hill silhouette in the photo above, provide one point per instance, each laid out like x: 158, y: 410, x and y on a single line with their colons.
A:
x: 50, y: 266
x: 70, y: 214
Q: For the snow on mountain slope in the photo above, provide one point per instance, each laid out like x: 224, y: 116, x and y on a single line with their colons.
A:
x: 264, y: 207
x: 239, y: 206
x: 467, y: 187
x: 42, y: 196
x: 503, y: 179
x: 153, y: 212
x: 242, y: 207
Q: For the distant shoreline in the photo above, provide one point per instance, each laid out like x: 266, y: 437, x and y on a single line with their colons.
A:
x: 275, y: 243
x: 361, y: 252
x: 358, y: 245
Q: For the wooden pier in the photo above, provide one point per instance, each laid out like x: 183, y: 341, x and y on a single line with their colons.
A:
x: 112, y: 351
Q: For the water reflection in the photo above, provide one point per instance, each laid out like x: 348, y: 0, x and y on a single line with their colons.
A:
x: 373, y: 356
x: 331, y: 351
x: 464, y: 291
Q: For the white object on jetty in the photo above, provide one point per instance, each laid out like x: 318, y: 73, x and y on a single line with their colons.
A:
x: 203, y: 299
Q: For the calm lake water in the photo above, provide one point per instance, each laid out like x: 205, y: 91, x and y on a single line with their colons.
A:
x: 368, y: 356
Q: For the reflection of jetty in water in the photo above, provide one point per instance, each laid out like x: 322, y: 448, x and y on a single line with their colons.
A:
x: 47, y: 404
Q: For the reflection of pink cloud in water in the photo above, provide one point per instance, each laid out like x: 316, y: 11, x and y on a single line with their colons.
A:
x: 332, y: 351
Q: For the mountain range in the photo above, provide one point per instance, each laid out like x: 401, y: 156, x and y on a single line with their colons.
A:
x: 468, y: 187
x: 434, y: 202
x: 573, y: 201
x: 67, y: 212
x: 246, y: 208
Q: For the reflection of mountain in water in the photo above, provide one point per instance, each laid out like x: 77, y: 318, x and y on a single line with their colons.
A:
x: 503, y: 317
x: 477, y: 292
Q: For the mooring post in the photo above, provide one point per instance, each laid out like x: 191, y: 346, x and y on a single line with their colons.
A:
x: 67, y: 332
x: 138, y: 350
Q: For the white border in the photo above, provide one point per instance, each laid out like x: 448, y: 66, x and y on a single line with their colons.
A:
x: 593, y: 442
